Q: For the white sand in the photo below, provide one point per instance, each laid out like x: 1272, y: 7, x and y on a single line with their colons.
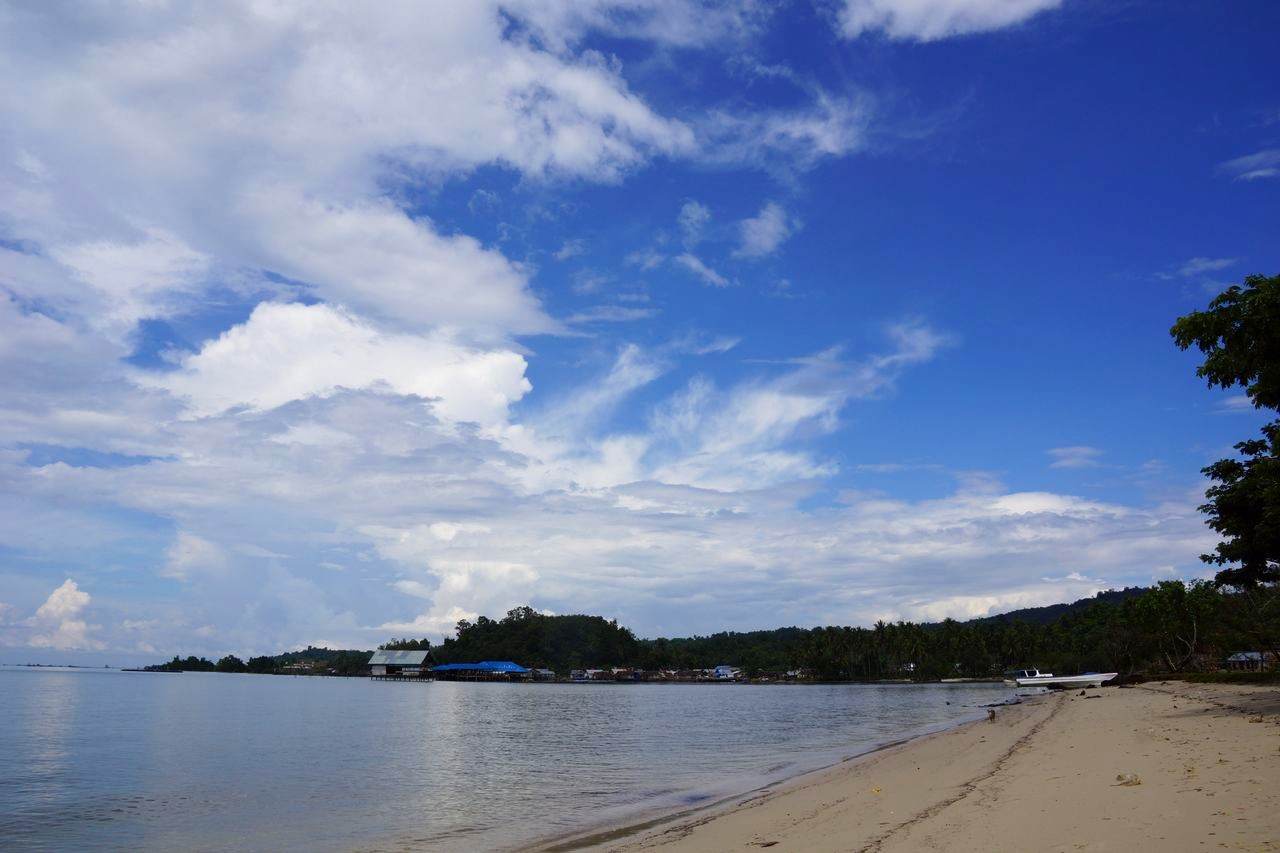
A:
x: 1043, y: 776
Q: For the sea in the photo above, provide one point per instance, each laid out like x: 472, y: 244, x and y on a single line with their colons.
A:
x: 113, y: 760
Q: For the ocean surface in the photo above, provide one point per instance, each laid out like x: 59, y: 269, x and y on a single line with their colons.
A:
x: 117, y: 760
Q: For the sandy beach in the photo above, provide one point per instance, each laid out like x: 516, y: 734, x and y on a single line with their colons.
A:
x: 1164, y: 766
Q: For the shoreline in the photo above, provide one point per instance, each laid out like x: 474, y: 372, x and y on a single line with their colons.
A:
x: 599, y: 837
x: 1171, y: 765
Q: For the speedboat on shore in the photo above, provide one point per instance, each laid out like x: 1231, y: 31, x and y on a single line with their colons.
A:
x: 1036, y: 678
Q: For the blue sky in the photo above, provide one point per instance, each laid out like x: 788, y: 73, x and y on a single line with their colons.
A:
x: 328, y: 325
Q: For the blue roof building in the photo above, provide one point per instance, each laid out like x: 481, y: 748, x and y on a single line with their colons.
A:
x: 485, y: 670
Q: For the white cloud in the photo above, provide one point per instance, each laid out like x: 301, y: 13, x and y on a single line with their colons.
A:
x: 156, y: 154
x: 290, y: 352
x: 732, y: 438
x: 1201, y: 265
x: 570, y: 249
x: 150, y: 146
x: 1253, y: 167
x: 788, y: 139
x: 190, y: 554
x: 1076, y: 456
x: 611, y: 314
x: 373, y: 258
x: 645, y: 259
x: 58, y: 623
x: 137, y: 280
x: 693, y: 219
x: 930, y: 20
x: 695, y: 265
x: 763, y: 233
x: 1236, y: 403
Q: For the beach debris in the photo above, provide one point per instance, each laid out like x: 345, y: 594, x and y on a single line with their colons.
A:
x: 1127, y: 780
x: 876, y: 789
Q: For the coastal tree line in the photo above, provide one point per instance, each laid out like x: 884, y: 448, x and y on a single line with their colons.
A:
x: 1173, y: 627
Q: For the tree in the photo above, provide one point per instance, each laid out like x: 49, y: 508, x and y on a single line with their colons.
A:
x: 1244, y: 506
x: 1239, y: 335
x: 230, y: 663
x: 262, y: 664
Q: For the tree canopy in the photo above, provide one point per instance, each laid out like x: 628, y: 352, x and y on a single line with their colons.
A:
x: 1239, y: 335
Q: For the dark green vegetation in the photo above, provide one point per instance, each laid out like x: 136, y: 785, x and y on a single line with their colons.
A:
x: 1172, y: 627
x: 1169, y: 628
x: 1239, y: 335
x: 308, y: 661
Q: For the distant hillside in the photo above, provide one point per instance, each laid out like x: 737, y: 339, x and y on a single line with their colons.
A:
x: 1053, y: 612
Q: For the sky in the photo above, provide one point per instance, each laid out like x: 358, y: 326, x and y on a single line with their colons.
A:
x: 325, y: 323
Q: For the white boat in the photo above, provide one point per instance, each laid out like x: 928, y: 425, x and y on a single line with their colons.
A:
x: 1036, y: 678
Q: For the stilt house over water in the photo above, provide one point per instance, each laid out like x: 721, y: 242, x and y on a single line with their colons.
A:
x: 402, y: 663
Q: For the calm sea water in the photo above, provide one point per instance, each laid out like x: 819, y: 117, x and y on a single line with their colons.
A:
x: 117, y: 760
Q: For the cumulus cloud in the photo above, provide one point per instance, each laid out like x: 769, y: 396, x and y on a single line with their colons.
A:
x: 290, y: 352
x: 59, y: 622
x: 930, y: 20
x: 765, y: 232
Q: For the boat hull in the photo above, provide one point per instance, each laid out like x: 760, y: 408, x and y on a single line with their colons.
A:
x: 1093, y: 679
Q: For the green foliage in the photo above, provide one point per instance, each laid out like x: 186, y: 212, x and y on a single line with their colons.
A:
x: 189, y: 664
x: 1244, y: 506
x: 231, y: 663
x: 1172, y: 627
x: 534, y: 639
x: 263, y: 665
x: 1239, y: 335
x: 423, y: 645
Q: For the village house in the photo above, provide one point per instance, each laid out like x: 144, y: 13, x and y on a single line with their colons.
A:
x: 1251, y: 661
x: 405, y: 664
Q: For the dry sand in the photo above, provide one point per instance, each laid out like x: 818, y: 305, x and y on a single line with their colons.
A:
x: 1158, y: 767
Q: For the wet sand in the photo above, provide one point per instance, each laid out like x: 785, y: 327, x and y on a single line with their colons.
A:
x: 1170, y: 766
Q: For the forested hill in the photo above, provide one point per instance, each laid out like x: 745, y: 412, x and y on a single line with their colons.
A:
x: 1052, y: 612
x: 1170, y: 627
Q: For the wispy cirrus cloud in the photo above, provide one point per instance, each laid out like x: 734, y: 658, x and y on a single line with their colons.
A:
x: 701, y: 270
x: 1201, y: 265
x: 1258, y: 166
x: 1075, y: 456
x: 611, y: 314
x: 931, y: 20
